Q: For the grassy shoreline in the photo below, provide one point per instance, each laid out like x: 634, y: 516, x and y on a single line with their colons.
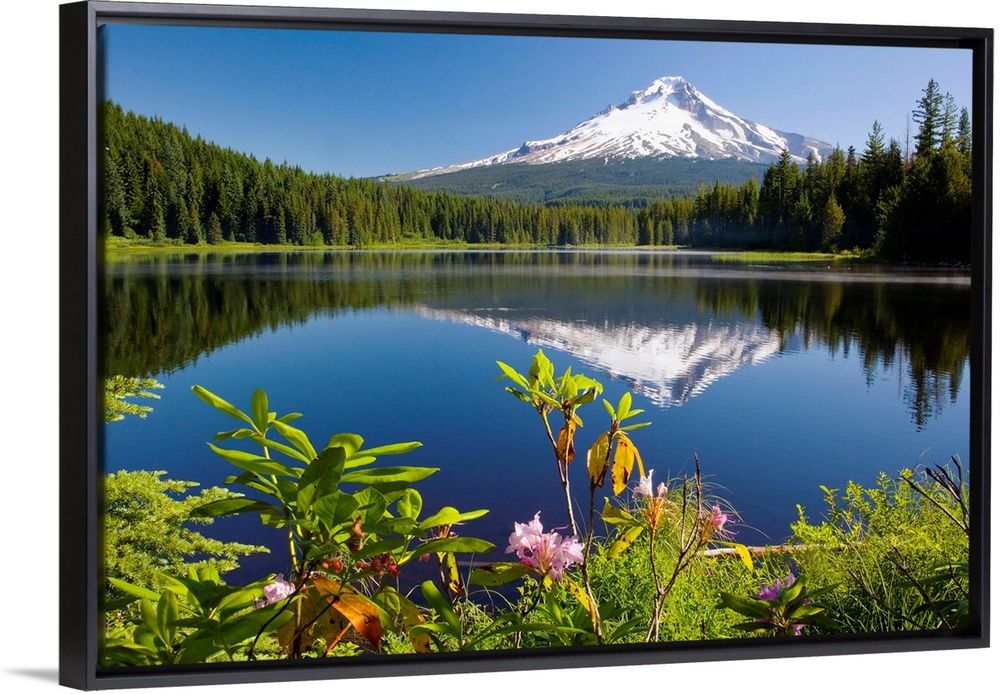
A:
x: 786, y: 257
x: 119, y: 247
x: 124, y: 246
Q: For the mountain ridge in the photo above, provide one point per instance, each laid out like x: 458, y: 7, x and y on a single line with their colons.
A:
x: 668, y: 119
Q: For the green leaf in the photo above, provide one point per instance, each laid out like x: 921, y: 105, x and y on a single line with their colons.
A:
x: 566, y: 384
x: 512, y: 375
x: 281, y: 448
x: 242, y: 433
x: 229, y: 507
x: 297, y: 438
x: 616, y: 516
x: 410, y: 504
x: 335, y: 509
x: 166, y: 614
x: 624, y: 540
x: 254, y: 463
x: 464, y: 545
x: 372, y: 504
x: 792, y: 592
x: 624, y: 405
x: 523, y: 397
x: 588, y: 396
x: 290, y: 417
x: 498, y: 574
x: 450, y: 516
x: 371, y: 549
x: 258, y: 408
x: 806, y: 611
x: 325, y: 472
x: 249, y: 479
x: 390, y: 449
x: 288, y: 490
x: 633, y: 427
x: 221, y: 405
x: 541, y: 371
x: 399, y: 526
x: 548, y: 400
x: 386, y: 475
x: 349, y: 442
x: 748, y: 607
x: 609, y: 407
x: 437, y: 601
x: 137, y: 591
x: 148, y: 614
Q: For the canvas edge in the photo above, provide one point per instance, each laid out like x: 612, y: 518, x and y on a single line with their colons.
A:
x: 77, y: 346
x: 78, y: 362
x: 981, y: 321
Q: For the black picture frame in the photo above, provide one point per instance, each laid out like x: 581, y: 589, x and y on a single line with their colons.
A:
x: 80, y: 397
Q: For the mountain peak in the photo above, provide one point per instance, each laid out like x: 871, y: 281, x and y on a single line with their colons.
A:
x: 669, y: 118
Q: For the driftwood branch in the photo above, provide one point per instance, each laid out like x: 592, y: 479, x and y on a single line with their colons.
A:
x: 765, y: 551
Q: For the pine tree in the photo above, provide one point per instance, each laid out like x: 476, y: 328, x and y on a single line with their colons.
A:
x: 875, y: 147
x: 118, y: 390
x: 930, y: 119
x: 831, y: 223
x: 214, y: 233
x: 963, y: 141
x: 948, y: 122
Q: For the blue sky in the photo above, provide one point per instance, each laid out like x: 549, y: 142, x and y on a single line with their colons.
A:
x: 366, y: 103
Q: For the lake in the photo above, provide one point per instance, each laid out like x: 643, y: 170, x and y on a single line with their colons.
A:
x: 779, y: 378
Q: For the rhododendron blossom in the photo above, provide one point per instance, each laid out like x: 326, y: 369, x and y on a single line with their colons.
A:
x: 548, y: 553
x: 718, y: 517
x: 770, y: 593
x: 273, y: 592
x: 645, y: 487
x: 655, y: 505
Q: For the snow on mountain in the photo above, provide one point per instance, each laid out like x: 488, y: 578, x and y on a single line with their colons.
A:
x: 668, y: 364
x: 670, y: 118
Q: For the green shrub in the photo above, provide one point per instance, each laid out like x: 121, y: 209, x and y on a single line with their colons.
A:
x: 146, y: 530
x: 898, y: 551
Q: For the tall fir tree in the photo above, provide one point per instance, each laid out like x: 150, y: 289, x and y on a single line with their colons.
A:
x: 929, y: 117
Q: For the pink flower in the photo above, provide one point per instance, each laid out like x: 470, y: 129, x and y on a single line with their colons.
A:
x: 526, y: 536
x: 770, y: 593
x: 718, y: 517
x: 548, y: 553
x: 274, y: 592
x: 645, y: 487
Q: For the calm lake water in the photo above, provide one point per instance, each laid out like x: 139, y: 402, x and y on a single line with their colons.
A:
x: 779, y: 378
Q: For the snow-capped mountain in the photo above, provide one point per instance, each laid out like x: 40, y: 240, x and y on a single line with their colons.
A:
x: 670, y: 118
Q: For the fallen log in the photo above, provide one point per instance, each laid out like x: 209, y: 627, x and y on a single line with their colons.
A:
x: 765, y: 551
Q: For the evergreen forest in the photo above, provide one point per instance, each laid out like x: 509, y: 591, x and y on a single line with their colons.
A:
x: 167, y: 186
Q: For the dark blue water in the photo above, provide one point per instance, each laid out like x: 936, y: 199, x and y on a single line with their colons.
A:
x: 779, y: 379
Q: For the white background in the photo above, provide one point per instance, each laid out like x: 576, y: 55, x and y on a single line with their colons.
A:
x: 29, y: 389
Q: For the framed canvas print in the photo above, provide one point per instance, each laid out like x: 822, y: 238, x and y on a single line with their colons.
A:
x: 402, y: 342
